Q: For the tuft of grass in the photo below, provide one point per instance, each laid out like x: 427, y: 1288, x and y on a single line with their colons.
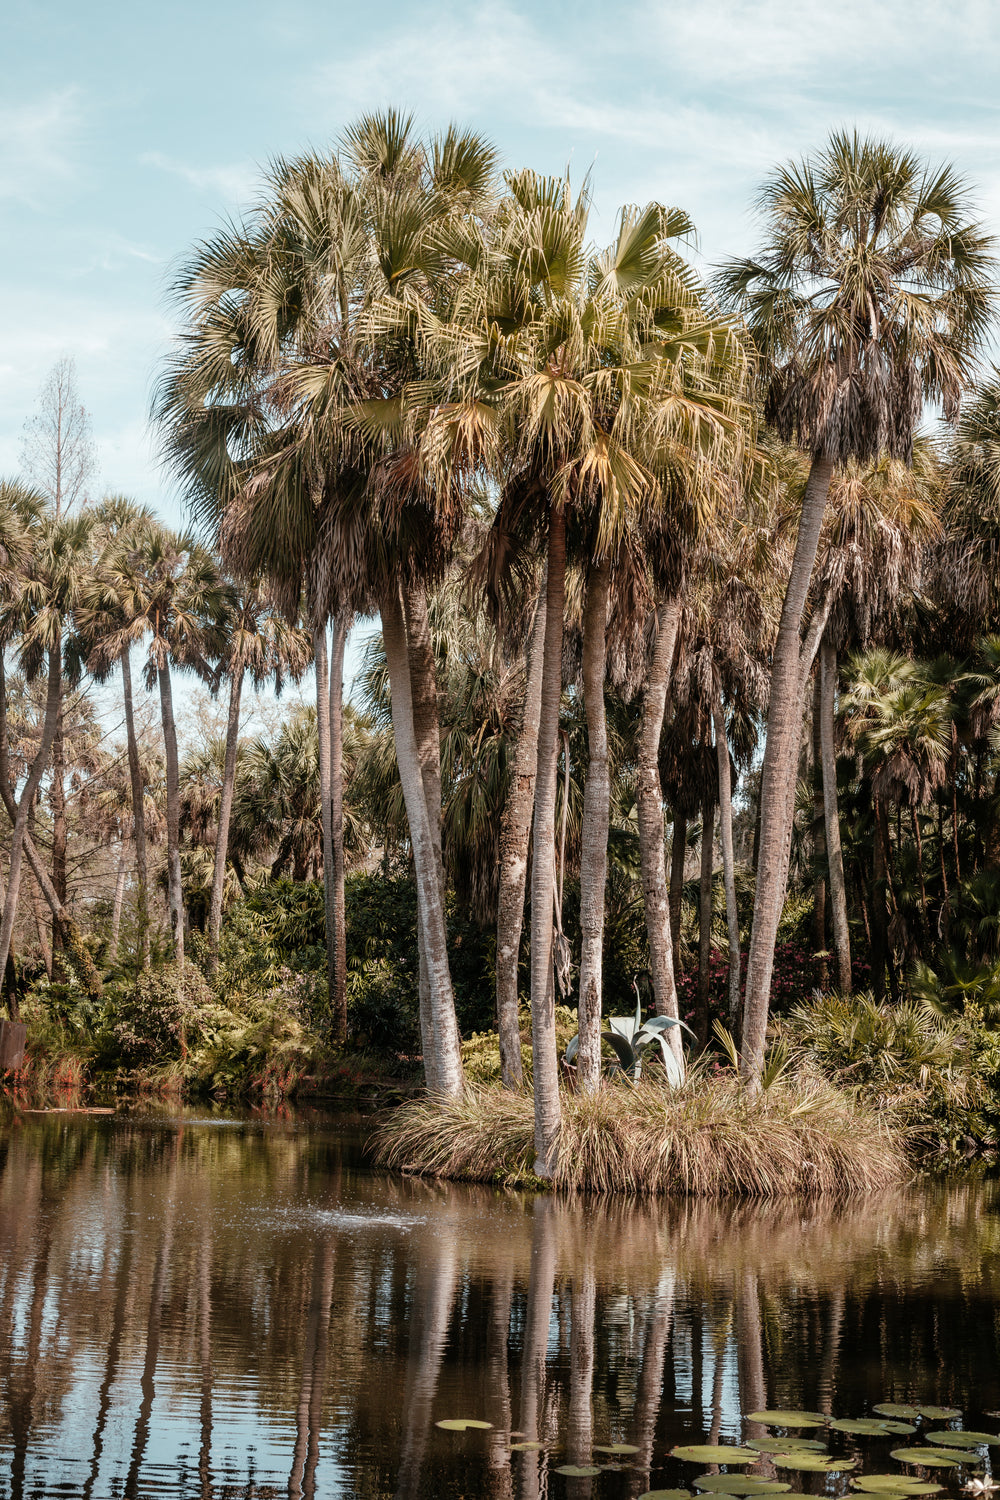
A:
x: 710, y: 1138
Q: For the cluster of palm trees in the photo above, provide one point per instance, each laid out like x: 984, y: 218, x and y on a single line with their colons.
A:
x: 403, y: 365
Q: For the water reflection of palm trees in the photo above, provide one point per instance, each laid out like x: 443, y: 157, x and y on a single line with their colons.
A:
x: 200, y: 1289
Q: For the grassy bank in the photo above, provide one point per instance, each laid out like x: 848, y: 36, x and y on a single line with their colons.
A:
x: 799, y: 1137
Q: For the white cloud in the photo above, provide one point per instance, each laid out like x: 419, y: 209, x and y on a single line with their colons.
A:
x: 37, y: 145
x: 236, y: 183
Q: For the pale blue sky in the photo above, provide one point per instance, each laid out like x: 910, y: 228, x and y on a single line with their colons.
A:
x: 128, y: 131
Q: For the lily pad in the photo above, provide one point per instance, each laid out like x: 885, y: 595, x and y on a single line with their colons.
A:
x: 739, y: 1484
x: 578, y: 1471
x: 934, y: 1458
x: 666, y: 1495
x: 787, y: 1418
x: 615, y: 1448
x: 459, y: 1424
x: 950, y: 1439
x: 786, y: 1445
x: 813, y: 1463
x: 940, y: 1413
x: 896, y: 1409
x: 894, y: 1484
x: 526, y: 1447
x: 872, y: 1427
x: 707, y: 1453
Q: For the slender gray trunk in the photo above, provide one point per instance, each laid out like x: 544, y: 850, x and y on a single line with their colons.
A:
x: 34, y: 896
x: 649, y: 805
x: 784, y: 724
x: 831, y: 812
x: 545, y: 1062
x: 338, y: 971
x: 225, y: 814
x: 515, y: 835
x: 446, y: 1053
x: 705, y: 918
x: 322, y: 671
x: 35, y: 773
x: 138, y: 815
x: 175, y: 890
x: 57, y: 802
x: 116, y: 910
x: 819, y: 839
x: 675, y: 895
x: 728, y: 853
x: 596, y: 822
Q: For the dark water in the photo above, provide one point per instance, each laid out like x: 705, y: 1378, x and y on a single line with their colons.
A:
x: 207, y: 1307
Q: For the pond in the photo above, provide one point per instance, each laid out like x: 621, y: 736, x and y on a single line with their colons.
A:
x: 207, y: 1306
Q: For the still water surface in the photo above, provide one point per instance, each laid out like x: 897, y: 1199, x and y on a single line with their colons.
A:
x: 199, y: 1306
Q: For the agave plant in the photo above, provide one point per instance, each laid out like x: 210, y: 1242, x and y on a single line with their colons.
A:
x: 631, y: 1037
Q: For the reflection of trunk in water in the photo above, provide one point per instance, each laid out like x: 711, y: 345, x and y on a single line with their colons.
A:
x: 21, y: 1399
x: 318, y: 1383
x: 750, y: 1359
x: 650, y: 1389
x: 719, y: 1342
x: 147, y: 1382
x: 581, y: 1376
x: 305, y: 1453
x: 434, y: 1293
x: 542, y: 1276
x: 499, y: 1383
x: 205, y: 1351
x: 111, y: 1363
x: 828, y: 1374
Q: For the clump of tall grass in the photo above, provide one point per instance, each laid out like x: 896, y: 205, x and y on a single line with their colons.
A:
x: 711, y: 1138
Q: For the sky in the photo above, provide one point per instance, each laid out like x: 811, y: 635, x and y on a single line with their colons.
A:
x: 128, y: 132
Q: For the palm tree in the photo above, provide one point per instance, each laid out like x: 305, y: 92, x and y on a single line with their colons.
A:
x: 163, y: 590
x: 868, y: 299
x: 260, y: 644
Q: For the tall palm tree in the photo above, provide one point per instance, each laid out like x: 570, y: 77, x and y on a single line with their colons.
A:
x: 869, y: 297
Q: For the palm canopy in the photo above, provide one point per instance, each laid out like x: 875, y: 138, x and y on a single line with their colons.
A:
x: 869, y: 298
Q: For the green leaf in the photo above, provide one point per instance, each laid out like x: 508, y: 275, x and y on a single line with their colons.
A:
x: 708, y: 1453
x: 934, y: 1458
x: 952, y: 1439
x: 872, y: 1427
x: 787, y: 1418
x: 665, y: 1495
x: 526, y: 1447
x: 813, y: 1463
x: 459, y: 1424
x: 940, y: 1413
x: 616, y: 1448
x: 894, y: 1484
x: 578, y: 1471
x: 739, y: 1484
x: 787, y: 1445
x: 894, y: 1409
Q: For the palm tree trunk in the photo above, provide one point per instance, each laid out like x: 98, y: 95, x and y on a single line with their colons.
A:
x: 880, y: 938
x: 649, y: 806
x: 34, y: 897
x: 338, y: 973
x: 819, y: 837
x: 675, y: 897
x: 831, y: 813
x: 426, y: 728
x: 596, y: 821
x: 175, y: 891
x: 515, y: 835
x: 57, y: 801
x: 445, y: 1054
x: 784, y: 724
x: 225, y: 813
x: 728, y: 853
x: 323, y: 730
x: 545, y: 1063
x: 138, y: 815
x: 920, y: 873
x: 705, y: 920
x: 116, y: 910
x: 35, y: 773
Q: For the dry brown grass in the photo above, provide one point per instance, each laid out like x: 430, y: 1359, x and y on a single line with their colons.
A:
x: 799, y: 1137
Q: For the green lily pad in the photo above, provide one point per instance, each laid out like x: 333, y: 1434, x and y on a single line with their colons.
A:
x: 616, y: 1448
x: 459, y: 1424
x: 896, y: 1409
x: 578, y: 1471
x: 526, y: 1447
x: 666, y: 1495
x: 894, y: 1484
x: 950, y: 1439
x: 934, y: 1458
x: 707, y: 1453
x: 739, y: 1484
x: 813, y: 1463
x: 786, y: 1445
x: 872, y: 1427
x: 787, y: 1418
x: 940, y: 1413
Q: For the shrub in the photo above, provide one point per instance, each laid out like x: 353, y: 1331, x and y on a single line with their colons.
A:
x: 149, y: 1022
